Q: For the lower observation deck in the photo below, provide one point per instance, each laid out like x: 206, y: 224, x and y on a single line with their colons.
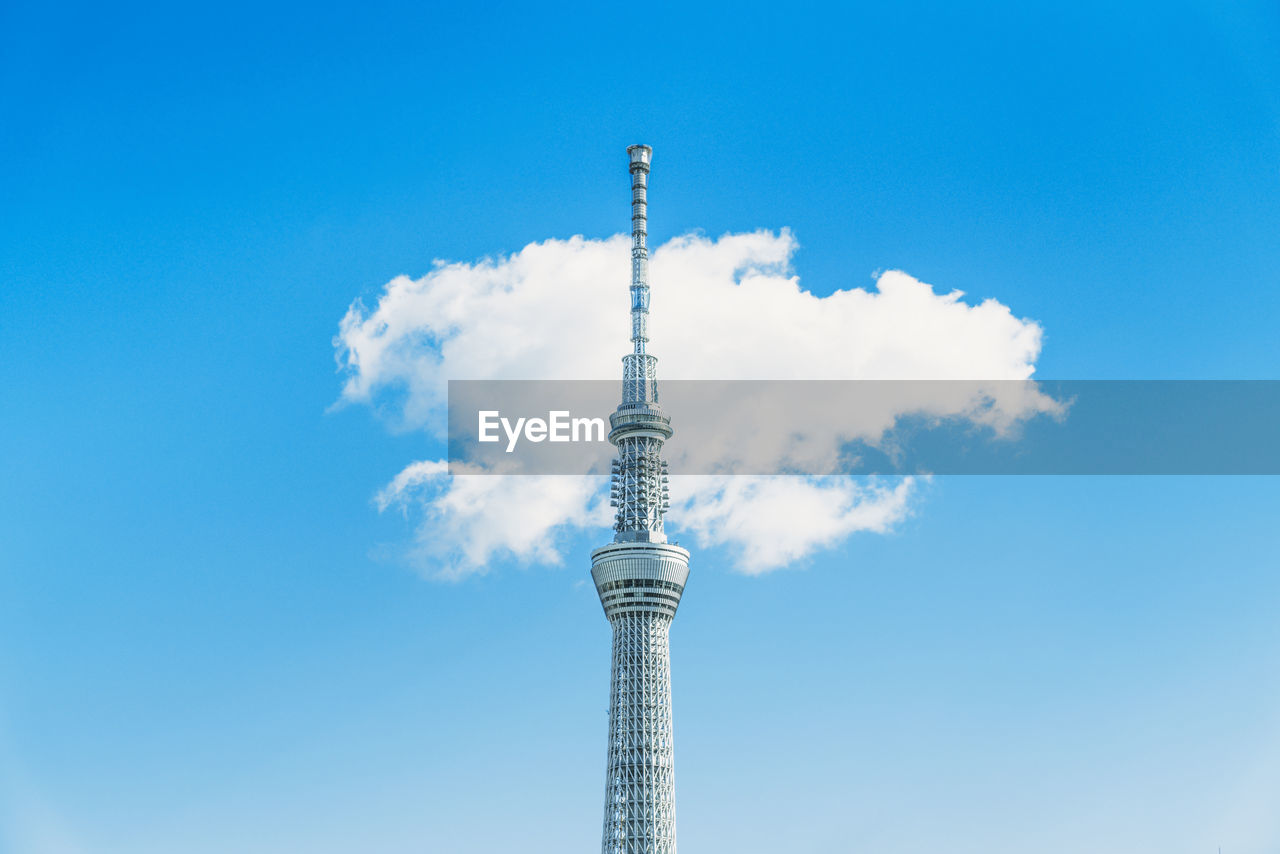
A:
x: 640, y: 577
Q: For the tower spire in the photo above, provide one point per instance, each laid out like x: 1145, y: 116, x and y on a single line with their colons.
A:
x: 639, y: 424
x: 640, y: 157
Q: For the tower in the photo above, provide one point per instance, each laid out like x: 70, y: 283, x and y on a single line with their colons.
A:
x: 640, y: 578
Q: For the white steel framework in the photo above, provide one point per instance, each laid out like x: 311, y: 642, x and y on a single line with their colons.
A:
x: 640, y: 578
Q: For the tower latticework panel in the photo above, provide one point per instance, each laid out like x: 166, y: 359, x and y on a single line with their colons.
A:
x: 641, y: 804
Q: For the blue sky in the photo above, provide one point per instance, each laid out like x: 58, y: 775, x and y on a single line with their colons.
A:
x: 207, y: 642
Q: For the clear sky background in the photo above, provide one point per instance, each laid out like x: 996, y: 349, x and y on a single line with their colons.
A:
x: 206, y: 644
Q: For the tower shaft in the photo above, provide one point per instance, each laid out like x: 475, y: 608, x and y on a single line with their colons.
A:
x: 640, y: 587
x: 640, y: 578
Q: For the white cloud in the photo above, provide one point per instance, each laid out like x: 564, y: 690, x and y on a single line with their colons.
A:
x: 773, y: 521
x: 728, y: 308
x: 469, y: 520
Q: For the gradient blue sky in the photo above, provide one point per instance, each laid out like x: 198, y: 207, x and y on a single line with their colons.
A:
x: 204, y: 646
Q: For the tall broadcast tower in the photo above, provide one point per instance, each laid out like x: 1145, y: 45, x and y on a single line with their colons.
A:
x: 640, y: 577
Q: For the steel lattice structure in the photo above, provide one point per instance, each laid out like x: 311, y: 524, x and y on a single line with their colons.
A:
x: 640, y: 578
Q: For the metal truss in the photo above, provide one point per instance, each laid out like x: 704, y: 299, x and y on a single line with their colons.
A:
x: 639, y: 378
x: 639, y: 488
x: 640, y: 793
